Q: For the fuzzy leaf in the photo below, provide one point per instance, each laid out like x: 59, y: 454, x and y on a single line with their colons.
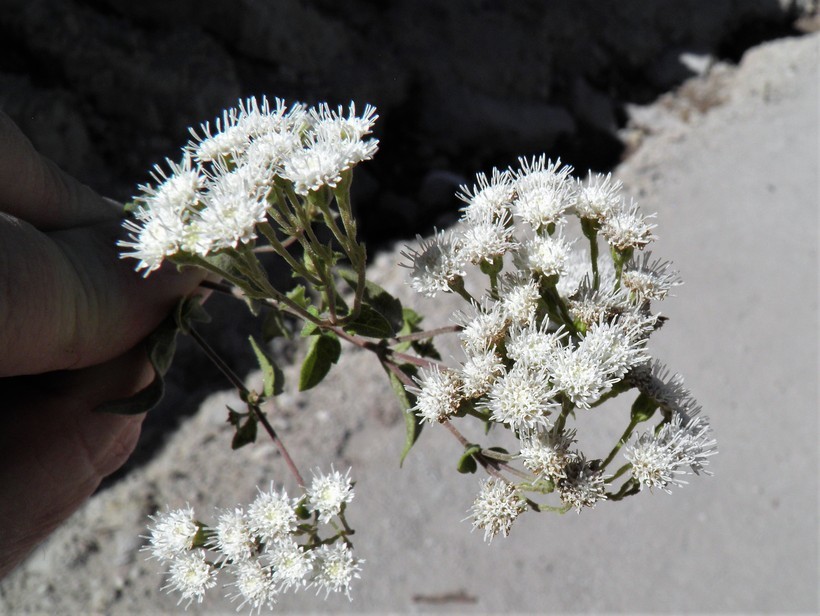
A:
x: 323, y: 351
x: 245, y: 431
x: 466, y: 463
x: 379, y: 300
x: 370, y: 323
x: 297, y: 294
x: 273, y: 377
x: 643, y: 408
x: 412, y: 423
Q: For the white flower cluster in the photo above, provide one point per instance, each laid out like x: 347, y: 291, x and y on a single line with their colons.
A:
x: 259, y: 548
x: 496, y: 508
x: 214, y: 198
x: 550, y: 334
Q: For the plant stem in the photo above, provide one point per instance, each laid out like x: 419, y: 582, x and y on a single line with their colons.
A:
x: 624, y: 438
x: 424, y: 335
x: 240, y: 386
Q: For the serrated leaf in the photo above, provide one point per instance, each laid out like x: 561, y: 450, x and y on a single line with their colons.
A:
x: 273, y: 378
x: 323, y: 351
x: 297, y: 294
x: 370, y: 323
x: 379, y: 300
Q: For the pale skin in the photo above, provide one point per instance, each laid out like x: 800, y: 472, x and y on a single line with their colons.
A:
x: 73, y: 316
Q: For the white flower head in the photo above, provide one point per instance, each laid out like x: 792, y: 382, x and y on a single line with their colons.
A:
x: 332, y: 145
x: 332, y: 126
x: 329, y: 493
x: 438, y: 394
x: 496, y: 507
x: 271, y: 516
x: 232, y: 536
x: 479, y: 372
x: 545, y: 256
x: 488, y: 200
x: 590, y: 306
x: 178, y: 190
x: 519, y: 298
x: 582, y: 485
x: 486, y: 240
x: 522, y: 398
x: 542, y: 192
x: 190, y: 575
x: 238, y: 127
x: 599, y: 198
x: 317, y: 165
x: 266, y: 154
x: 335, y: 569
x: 436, y: 264
x: 582, y: 374
x: 617, y: 346
x: 234, y: 206
x: 255, y: 584
x: 533, y: 345
x: 626, y: 228
x: 153, y: 238
x: 649, y: 281
x: 159, y: 227
x: 172, y: 534
x: 668, y: 389
x: 291, y: 564
x: 660, y: 460
x: 546, y: 452
x: 484, y: 327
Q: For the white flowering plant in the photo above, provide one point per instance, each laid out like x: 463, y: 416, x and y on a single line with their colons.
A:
x: 548, y: 331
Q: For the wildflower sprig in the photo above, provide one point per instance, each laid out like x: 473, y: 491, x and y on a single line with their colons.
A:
x: 548, y: 331
x: 553, y: 333
x: 274, y: 545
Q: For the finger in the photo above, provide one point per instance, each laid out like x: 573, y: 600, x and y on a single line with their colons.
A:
x: 36, y: 190
x: 54, y: 450
x: 67, y: 300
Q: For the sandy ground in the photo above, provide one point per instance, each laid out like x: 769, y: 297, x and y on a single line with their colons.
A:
x: 732, y: 171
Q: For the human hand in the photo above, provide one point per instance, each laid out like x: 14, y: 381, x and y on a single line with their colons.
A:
x: 72, y: 318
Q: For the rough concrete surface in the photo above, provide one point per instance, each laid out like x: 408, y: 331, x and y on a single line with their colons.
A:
x: 735, y: 185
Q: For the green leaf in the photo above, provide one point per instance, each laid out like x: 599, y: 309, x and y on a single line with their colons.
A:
x: 412, y: 423
x: 273, y: 377
x: 310, y: 328
x: 297, y: 294
x: 410, y: 321
x: 426, y: 348
x: 643, y: 408
x: 189, y: 311
x: 323, y: 351
x: 160, y: 346
x: 466, y: 463
x: 273, y: 325
x: 379, y: 300
x: 370, y: 323
x: 245, y: 430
